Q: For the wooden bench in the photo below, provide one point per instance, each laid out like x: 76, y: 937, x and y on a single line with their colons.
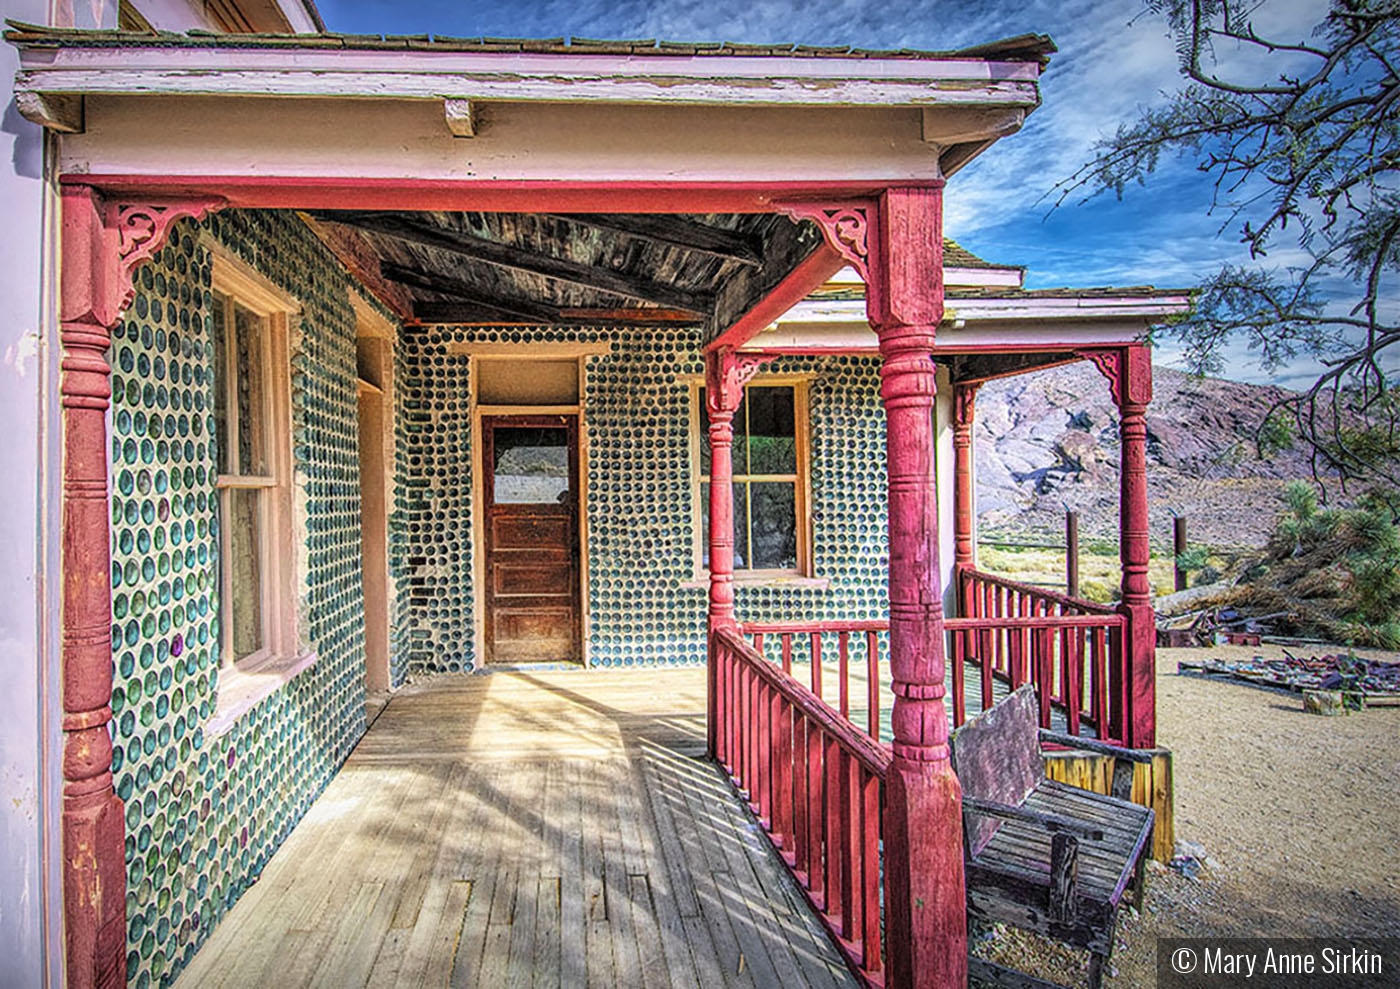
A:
x: 1042, y: 855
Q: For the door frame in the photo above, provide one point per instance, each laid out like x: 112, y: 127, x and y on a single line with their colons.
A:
x: 546, y: 420
x: 544, y: 350
x: 377, y: 335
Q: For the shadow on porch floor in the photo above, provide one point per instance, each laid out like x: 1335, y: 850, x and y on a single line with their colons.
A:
x: 548, y: 829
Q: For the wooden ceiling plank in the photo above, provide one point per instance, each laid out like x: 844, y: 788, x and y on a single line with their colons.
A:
x: 673, y: 231
x: 471, y: 247
x: 976, y: 368
x: 519, y: 308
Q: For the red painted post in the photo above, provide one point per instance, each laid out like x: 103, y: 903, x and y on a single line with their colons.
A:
x: 101, y: 244
x: 725, y: 376
x: 93, y: 833
x: 926, y: 901
x: 964, y: 508
x: 1133, y: 392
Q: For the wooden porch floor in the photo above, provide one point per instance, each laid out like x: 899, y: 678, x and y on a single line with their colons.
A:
x: 526, y: 829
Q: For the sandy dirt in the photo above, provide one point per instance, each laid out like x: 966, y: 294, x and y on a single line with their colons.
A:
x: 1299, y: 816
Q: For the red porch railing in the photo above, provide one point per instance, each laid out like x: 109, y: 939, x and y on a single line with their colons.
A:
x: 815, y: 783
x: 1072, y: 650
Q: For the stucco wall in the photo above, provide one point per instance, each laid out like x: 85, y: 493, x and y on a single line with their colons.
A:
x: 644, y: 605
x: 205, y: 813
x: 30, y: 947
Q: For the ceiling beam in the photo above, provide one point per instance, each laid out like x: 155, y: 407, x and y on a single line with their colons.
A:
x: 468, y: 313
x: 673, y: 231
x: 528, y: 309
x: 472, y: 247
x: 970, y: 369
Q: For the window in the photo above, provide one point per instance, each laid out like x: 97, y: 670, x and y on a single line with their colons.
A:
x: 771, y: 531
x: 252, y: 435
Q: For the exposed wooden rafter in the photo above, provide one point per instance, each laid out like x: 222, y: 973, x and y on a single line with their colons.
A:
x: 976, y: 368
x: 673, y: 231
x: 471, y: 247
x: 470, y: 297
x: 469, y: 313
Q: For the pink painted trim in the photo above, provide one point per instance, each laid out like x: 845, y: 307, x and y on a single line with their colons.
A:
x: 526, y: 195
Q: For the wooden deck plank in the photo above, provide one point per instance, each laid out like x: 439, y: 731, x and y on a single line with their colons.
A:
x: 544, y: 830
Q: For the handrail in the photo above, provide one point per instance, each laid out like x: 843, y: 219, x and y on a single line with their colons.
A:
x: 1063, y: 600
x: 860, y: 625
x: 1112, y: 619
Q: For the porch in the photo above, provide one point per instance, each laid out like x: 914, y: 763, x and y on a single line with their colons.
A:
x: 554, y: 829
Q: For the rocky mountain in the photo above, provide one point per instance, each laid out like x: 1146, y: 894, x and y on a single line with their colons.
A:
x: 1048, y: 442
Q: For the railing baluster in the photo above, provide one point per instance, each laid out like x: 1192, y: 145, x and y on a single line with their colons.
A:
x: 1098, y: 657
x: 816, y: 640
x: 1043, y: 642
x: 835, y: 832
x: 765, y: 757
x: 1072, y: 645
x: 787, y: 652
x: 843, y: 675
x: 870, y: 873
x: 816, y: 817
x: 872, y: 685
x: 758, y: 643
x: 800, y: 837
x: 959, y: 655
x: 780, y: 795
x: 849, y: 844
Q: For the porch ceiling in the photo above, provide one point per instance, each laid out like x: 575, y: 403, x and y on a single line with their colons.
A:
x: 492, y: 267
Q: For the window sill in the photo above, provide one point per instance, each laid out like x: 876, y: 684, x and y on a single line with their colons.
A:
x: 241, y: 688
x: 792, y: 580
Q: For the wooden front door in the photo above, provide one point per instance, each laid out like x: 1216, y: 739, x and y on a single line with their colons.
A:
x: 530, y: 468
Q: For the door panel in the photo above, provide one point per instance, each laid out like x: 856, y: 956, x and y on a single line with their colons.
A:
x: 532, y: 581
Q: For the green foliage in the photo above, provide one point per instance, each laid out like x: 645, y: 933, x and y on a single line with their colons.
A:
x: 1275, y: 435
x: 1192, y: 559
x: 1300, y: 497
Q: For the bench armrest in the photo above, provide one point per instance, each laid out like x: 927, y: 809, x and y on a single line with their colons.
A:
x: 1050, y: 822
x: 1095, y: 746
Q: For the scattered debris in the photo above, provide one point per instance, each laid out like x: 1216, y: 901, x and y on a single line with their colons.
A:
x: 1189, y: 858
x: 1214, y: 626
x: 1330, y: 703
x: 1372, y: 681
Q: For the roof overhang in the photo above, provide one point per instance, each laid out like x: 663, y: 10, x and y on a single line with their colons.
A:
x: 1018, y: 322
x: 958, y: 105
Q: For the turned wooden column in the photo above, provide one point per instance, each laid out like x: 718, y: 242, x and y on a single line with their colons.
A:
x: 101, y: 244
x: 926, y: 910
x: 1129, y: 374
x: 964, y: 499
x: 93, y: 831
x: 726, y: 373
x: 1133, y: 394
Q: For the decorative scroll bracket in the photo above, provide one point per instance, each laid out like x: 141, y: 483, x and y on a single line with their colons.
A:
x: 1128, y: 370
x: 846, y: 227
x: 726, y: 374
x: 964, y: 403
x: 142, y: 229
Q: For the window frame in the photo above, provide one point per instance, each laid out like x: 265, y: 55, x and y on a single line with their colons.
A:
x: 234, y: 285
x: 802, y: 481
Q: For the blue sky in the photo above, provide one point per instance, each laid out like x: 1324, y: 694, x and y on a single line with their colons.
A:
x: 1113, y: 59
